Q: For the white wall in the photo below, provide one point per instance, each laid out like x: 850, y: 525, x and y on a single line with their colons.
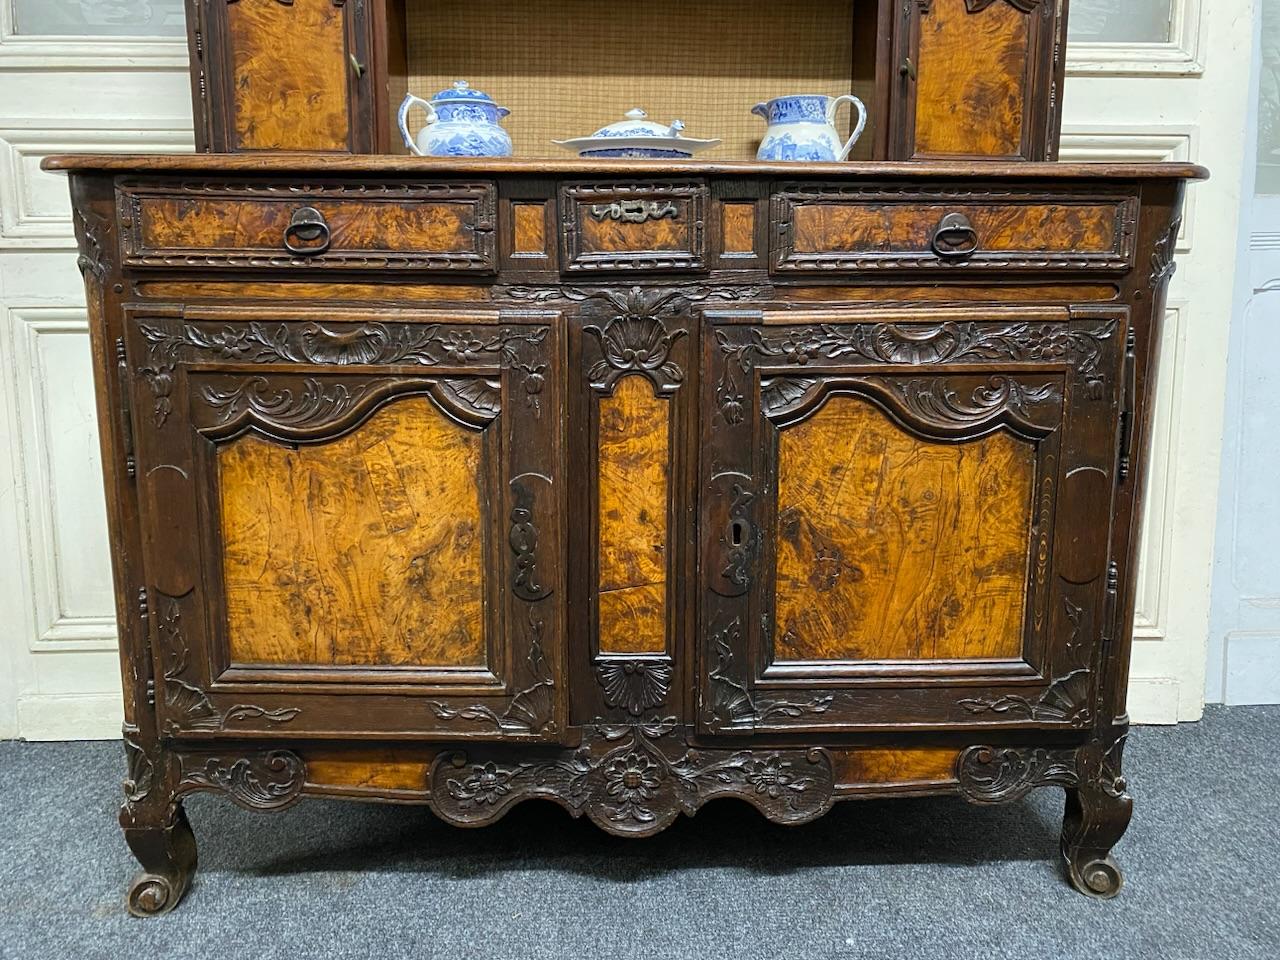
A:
x: 1244, y: 655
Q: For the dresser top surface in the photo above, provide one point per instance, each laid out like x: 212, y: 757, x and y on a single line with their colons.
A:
x: 312, y: 164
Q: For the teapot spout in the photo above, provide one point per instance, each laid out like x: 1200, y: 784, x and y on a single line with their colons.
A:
x: 761, y: 110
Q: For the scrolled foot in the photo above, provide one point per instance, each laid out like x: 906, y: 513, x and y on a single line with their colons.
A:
x: 168, y: 858
x: 1095, y: 821
x: 1096, y: 878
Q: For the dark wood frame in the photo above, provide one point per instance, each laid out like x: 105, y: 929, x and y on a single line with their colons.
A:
x: 633, y: 775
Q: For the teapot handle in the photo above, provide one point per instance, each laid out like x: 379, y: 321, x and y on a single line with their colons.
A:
x: 858, y: 128
x: 409, y: 101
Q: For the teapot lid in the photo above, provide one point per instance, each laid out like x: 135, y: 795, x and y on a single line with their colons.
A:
x: 637, y: 126
x: 461, y: 90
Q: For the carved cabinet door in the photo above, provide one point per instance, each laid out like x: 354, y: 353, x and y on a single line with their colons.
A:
x: 351, y: 526
x: 905, y: 516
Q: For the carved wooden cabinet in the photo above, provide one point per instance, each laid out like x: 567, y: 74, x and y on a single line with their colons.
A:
x: 628, y: 484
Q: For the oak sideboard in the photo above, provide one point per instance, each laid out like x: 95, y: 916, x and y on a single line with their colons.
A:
x: 624, y: 484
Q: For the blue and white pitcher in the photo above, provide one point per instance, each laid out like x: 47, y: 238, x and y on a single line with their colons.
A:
x: 802, y: 127
x: 461, y: 122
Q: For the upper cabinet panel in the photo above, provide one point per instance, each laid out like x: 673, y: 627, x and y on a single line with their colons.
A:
x: 281, y: 75
x: 979, y: 79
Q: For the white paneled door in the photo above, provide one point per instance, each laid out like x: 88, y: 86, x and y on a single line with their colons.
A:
x: 75, y: 75
x: 1148, y: 79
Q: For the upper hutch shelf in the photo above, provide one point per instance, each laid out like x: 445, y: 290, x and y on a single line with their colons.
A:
x: 943, y: 79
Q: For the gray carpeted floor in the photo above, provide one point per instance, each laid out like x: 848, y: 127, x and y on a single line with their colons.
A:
x: 916, y: 878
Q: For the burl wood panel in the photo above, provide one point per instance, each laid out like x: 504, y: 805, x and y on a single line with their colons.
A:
x: 530, y: 234
x: 891, y: 547
x: 907, y: 227
x: 289, y: 75
x: 634, y: 471
x: 739, y: 227
x: 370, y: 770
x: 972, y: 85
x: 905, y: 766
x: 608, y: 235
x: 211, y: 223
x: 365, y: 550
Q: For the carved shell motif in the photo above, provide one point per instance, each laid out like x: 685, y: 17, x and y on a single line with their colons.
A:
x: 634, y: 685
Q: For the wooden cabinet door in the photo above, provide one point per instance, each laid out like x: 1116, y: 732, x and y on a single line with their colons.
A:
x: 282, y: 75
x: 905, y: 516
x: 979, y: 79
x: 351, y: 526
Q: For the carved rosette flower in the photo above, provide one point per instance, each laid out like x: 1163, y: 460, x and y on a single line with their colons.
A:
x: 632, y: 779
x: 487, y: 784
x: 771, y: 776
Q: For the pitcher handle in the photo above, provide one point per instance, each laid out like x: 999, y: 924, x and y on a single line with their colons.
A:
x: 858, y: 128
x: 409, y: 101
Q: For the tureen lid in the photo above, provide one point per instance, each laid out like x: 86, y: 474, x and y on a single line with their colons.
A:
x: 461, y: 90
x: 637, y: 126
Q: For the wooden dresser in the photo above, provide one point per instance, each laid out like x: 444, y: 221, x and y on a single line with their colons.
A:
x: 625, y: 484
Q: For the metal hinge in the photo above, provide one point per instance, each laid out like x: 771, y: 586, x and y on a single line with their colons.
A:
x: 144, y: 612
x: 126, y: 410
x: 1112, y: 602
x: 1128, y: 409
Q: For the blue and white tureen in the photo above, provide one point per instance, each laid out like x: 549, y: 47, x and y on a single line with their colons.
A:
x: 638, y: 138
x: 461, y: 122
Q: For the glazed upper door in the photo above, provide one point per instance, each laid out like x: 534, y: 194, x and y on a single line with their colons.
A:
x: 281, y: 75
x: 904, y: 514
x: 351, y: 523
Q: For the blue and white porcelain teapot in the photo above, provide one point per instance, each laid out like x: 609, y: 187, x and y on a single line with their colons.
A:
x: 461, y: 122
x: 802, y: 127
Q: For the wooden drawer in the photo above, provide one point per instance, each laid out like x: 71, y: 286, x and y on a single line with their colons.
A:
x: 377, y: 225
x: 830, y: 228
x: 633, y: 226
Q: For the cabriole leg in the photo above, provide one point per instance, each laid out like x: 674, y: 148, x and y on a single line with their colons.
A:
x: 1097, y: 814
x: 168, y: 858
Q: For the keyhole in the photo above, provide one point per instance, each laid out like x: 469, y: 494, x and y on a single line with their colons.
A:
x: 737, y: 533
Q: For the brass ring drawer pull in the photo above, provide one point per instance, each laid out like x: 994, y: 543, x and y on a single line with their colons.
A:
x: 308, y: 225
x: 954, y: 237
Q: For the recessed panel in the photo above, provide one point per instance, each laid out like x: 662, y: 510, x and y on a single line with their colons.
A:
x: 289, y: 74
x: 895, y: 547
x: 634, y: 472
x: 972, y: 88
x: 368, y: 550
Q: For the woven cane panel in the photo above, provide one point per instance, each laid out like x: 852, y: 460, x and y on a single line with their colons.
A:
x: 565, y: 68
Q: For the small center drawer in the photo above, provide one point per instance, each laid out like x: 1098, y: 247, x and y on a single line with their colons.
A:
x: 633, y: 226
x: 835, y: 228
x: 396, y: 226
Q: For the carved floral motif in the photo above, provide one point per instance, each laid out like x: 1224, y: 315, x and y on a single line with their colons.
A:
x: 733, y: 703
x: 1001, y: 774
x: 634, y: 780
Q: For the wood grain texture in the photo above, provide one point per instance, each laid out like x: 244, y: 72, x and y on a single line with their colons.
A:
x: 365, y: 550
x: 739, y: 227
x: 891, y: 547
x: 372, y: 770
x: 289, y: 75
x: 172, y: 223
x: 981, y: 171
x: 529, y: 234
x: 908, y: 227
x: 302, y: 291
x: 613, y: 236
x: 972, y: 86
x: 634, y: 476
x: 904, y: 766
